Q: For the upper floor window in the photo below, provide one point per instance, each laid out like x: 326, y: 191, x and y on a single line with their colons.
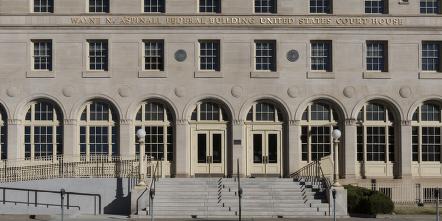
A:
x: 44, y: 6
x: 208, y: 111
x: 430, y: 6
x: 377, y: 56
x: 155, y: 6
x: 265, y: 6
x: 321, y: 56
x: 210, y: 6
x: 98, y: 55
x: 209, y: 55
x: 42, y: 55
x: 265, y: 55
x: 154, y: 55
x: 431, y: 56
x: 99, y: 6
x: 376, y: 6
x: 321, y: 6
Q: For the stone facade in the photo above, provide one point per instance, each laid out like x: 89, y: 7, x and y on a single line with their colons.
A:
x: 236, y: 86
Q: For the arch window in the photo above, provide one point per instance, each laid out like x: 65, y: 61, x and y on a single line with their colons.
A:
x: 375, y: 133
x: 156, y: 119
x: 98, y: 131
x: 43, y: 131
x: 426, y: 133
x: 264, y: 112
x: 317, y: 123
x: 208, y: 111
x: 3, y: 135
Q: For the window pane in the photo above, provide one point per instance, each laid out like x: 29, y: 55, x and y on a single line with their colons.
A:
x: 430, y: 56
x: 376, y: 143
x: 376, y: 56
x: 375, y: 6
x: 99, y: 6
x: 430, y: 6
x: 431, y: 143
x: 42, y: 55
x: 210, y: 6
x: 154, y: 55
x: 98, y: 55
x: 44, y: 6
x: 154, y: 6
x: 210, y: 55
x: 265, y: 6
x: 265, y: 56
x: 320, y: 142
x: 321, y: 56
x: 320, y: 6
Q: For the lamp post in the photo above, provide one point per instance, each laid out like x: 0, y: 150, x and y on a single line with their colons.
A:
x: 336, y: 134
x: 141, y: 134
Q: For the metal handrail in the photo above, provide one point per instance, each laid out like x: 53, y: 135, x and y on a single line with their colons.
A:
x: 152, y: 189
x: 36, y: 191
x: 239, y: 191
x: 147, y: 187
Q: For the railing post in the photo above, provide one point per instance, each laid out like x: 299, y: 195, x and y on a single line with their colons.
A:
x: 62, y: 192
x: 4, y: 196
x: 35, y: 192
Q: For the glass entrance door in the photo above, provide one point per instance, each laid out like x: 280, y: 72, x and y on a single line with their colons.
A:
x: 209, y: 150
x: 265, y: 153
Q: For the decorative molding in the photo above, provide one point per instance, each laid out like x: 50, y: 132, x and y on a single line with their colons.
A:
x: 237, y: 122
x: 294, y: 122
x: 15, y: 122
x: 350, y: 122
x: 181, y: 122
x: 126, y: 121
x: 406, y: 123
x: 349, y: 92
x: 70, y: 121
x: 405, y: 92
x: 237, y: 91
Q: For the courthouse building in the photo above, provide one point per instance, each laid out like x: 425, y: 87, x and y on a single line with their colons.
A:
x: 213, y: 81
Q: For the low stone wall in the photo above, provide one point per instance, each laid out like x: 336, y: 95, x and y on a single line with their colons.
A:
x: 115, y: 195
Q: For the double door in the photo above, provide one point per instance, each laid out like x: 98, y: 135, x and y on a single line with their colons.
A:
x: 264, y: 153
x: 209, y: 152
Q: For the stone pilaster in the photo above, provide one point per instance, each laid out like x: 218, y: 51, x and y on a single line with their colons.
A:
x: 182, y: 151
x: 294, y: 150
x: 15, y: 139
x: 405, y: 150
x: 239, y: 148
x: 71, y: 150
x: 348, y: 150
x: 127, y: 139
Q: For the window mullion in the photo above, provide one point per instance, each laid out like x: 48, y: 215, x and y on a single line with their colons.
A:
x: 32, y: 142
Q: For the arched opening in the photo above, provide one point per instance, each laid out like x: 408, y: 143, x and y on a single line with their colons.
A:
x: 265, y: 139
x: 378, y: 133
x: 43, y: 131
x: 210, y: 132
x: 157, y: 120
x: 99, y: 131
x: 426, y: 139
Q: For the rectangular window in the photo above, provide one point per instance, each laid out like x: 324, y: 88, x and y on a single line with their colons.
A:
x: 415, y: 143
x: 42, y: 55
x: 391, y: 156
x: 155, y: 142
x: 265, y: 55
x: 265, y: 6
x: 321, y: 56
x: 360, y: 144
x: 430, y: 6
x: 321, y: 142
x: 431, y: 144
x: 155, y: 6
x: 98, y: 140
x: 154, y: 55
x: 209, y: 55
x: 44, y: 6
x: 377, y: 56
x: 431, y: 56
x: 376, y: 143
x: 210, y: 6
x: 99, y: 6
x: 376, y: 6
x: 304, y: 141
x: 98, y: 55
x: 321, y: 6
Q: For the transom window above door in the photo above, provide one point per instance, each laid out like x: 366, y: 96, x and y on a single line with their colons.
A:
x: 209, y: 111
x: 264, y: 112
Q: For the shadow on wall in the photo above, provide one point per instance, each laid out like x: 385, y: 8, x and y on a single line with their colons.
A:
x: 121, y: 204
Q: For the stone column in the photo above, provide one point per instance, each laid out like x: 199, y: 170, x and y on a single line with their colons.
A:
x: 405, y: 149
x: 182, y: 148
x: 349, y: 148
x: 15, y: 139
x: 239, y: 148
x: 71, y: 150
x: 127, y: 139
x: 294, y: 149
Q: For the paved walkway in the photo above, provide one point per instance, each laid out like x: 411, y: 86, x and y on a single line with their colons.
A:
x: 123, y: 218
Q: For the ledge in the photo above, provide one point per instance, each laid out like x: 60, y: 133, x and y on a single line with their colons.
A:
x: 208, y: 74
x: 320, y: 75
x: 40, y: 74
x: 430, y: 75
x: 97, y: 74
x: 152, y: 74
x: 376, y: 75
x: 264, y: 74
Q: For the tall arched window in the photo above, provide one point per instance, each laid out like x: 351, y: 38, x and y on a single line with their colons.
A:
x: 317, y: 123
x: 426, y: 135
x: 43, y: 131
x: 3, y: 135
x: 208, y: 111
x: 375, y: 133
x: 156, y: 119
x: 98, y: 131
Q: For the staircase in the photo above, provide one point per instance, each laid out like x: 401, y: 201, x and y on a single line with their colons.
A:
x: 217, y: 198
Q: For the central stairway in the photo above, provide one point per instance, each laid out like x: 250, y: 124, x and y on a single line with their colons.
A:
x: 218, y: 198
